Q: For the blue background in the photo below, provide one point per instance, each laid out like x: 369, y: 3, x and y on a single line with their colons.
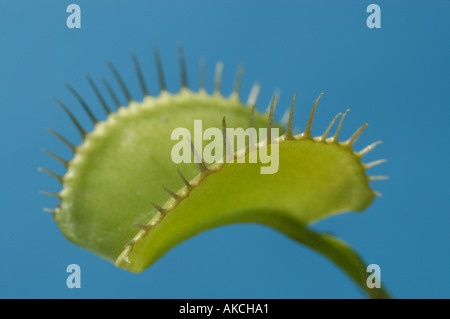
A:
x: 396, y: 78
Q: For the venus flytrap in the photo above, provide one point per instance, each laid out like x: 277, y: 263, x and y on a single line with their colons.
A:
x: 124, y: 198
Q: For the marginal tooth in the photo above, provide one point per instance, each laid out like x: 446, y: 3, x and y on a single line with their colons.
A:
x: 183, y: 73
x: 226, y: 144
x: 82, y: 102
x: 224, y: 134
x: 171, y: 193
x: 218, y: 77
x: 59, y: 159
x: 335, y: 138
x: 374, y: 163
x: 307, y: 132
x: 269, y: 128
x: 378, y: 178
x: 48, y: 210
x: 72, y: 117
x: 159, y: 208
x: 138, y: 70
x: 288, y: 133
x: 367, y: 149
x: 253, y: 96
x: 238, y: 81
x: 378, y: 194
x: 51, y: 194
x: 111, y: 92
x: 198, y: 159
x: 98, y: 94
x: 325, y: 134
x: 62, y: 139
x: 356, y: 135
x: 144, y: 227
x: 56, y: 176
x: 185, y: 181
x: 276, y: 94
x: 120, y: 81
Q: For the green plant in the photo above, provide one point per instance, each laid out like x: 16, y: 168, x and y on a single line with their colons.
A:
x: 124, y: 199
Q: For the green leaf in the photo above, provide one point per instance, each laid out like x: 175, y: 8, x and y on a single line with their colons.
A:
x: 126, y: 200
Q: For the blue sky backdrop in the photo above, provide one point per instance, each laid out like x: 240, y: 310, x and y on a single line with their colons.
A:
x: 395, y: 78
